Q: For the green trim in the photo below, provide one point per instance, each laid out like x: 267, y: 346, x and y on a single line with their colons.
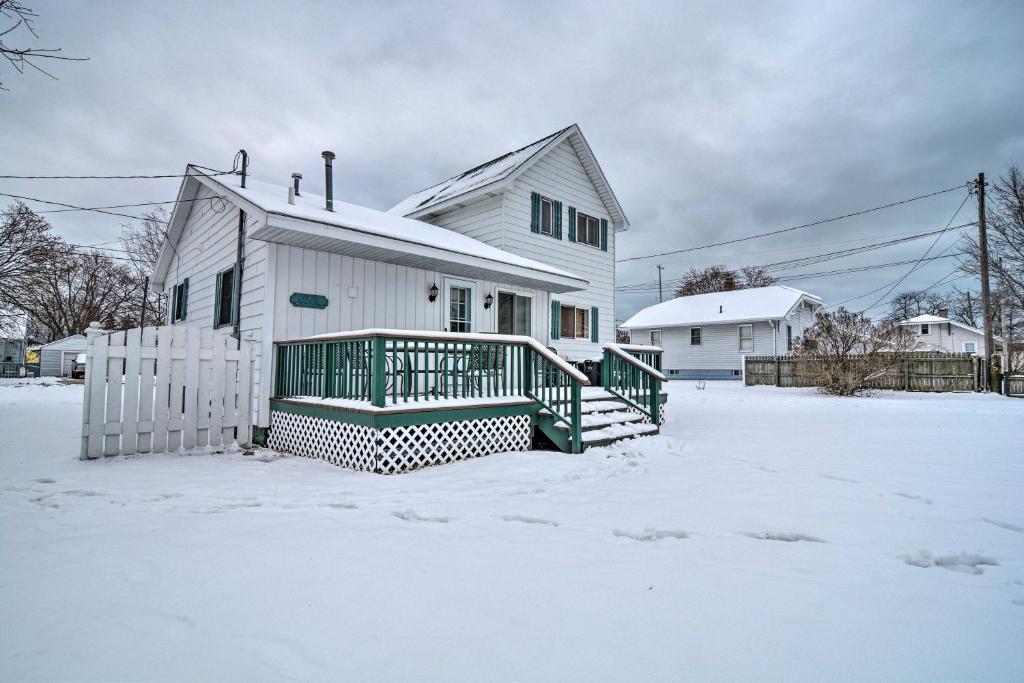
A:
x: 557, y: 211
x: 534, y: 212
x: 593, y: 324
x: 556, y: 319
x: 380, y: 420
x: 300, y: 300
x: 572, y: 223
x: 604, y: 234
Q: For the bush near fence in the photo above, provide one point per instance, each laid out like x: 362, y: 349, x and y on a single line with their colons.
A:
x: 915, y: 372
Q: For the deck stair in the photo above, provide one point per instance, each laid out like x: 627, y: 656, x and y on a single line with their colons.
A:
x: 605, y: 420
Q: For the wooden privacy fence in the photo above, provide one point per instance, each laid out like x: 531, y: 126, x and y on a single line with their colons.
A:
x: 1015, y: 385
x: 916, y: 372
x: 161, y: 389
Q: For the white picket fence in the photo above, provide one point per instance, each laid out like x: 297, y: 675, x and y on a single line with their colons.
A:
x: 163, y: 389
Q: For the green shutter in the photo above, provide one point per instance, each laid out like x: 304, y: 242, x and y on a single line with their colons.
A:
x: 604, y: 234
x: 572, y: 224
x: 184, y: 299
x: 236, y: 294
x: 557, y: 211
x: 534, y: 212
x: 216, y: 299
x: 593, y: 323
x: 556, y: 320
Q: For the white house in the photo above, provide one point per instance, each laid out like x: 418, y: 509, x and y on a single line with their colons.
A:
x: 939, y: 333
x: 521, y: 245
x: 706, y: 336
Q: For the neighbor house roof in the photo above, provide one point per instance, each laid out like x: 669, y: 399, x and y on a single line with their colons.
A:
x: 363, y: 232
x: 740, y: 305
x: 496, y: 175
x: 928, y: 319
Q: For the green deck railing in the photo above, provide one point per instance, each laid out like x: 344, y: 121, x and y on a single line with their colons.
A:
x: 395, y: 367
x: 633, y: 374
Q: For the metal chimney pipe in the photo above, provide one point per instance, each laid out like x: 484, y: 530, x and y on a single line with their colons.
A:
x: 329, y: 178
x: 296, y: 177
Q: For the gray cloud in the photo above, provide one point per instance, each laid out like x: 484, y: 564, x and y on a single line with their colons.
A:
x: 712, y: 120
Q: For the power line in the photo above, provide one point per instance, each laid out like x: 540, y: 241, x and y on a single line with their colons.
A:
x: 926, y: 252
x: 212, y: 171
x: 125, y: 206
x: 795, y: 227
x: 72, y: 206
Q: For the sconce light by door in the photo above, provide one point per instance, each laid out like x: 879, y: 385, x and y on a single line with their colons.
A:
x: 433, y: 293
x: 488, y: 300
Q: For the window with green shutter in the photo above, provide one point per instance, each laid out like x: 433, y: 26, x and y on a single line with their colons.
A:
x: 224, y: 298
x: 572, y: 223
x: 556, y: 319
x: 593, y: 323
x: 557, y: 211
x: 534, y: 212
x: 604, y: 234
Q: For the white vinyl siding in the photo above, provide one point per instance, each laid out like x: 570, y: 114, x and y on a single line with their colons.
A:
x: 504, y: 221
x: 655, y: 337
x: 718, y: 349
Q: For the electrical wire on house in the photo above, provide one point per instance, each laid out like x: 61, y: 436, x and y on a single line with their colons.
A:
x: 795, y: 227
x: 211, y: 171
x: 124, y: 206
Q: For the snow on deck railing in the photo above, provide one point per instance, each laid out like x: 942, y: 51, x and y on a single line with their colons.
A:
x: 430, y: 335
x: 638, y: 348
x: 622, y: 352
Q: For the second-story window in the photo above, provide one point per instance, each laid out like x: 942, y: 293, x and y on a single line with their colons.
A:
x: 547, y: 216
x: 588, y: 230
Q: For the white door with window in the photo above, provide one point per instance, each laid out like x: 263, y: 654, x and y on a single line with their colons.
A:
x: 459, y: 301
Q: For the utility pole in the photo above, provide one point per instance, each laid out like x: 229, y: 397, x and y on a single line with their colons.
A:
x: 986, y: 303
x: 660, y: 295
x: 1003, y: 320
x: 145, y: 295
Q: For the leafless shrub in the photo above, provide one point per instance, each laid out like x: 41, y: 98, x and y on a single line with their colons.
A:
x: 843, y: 350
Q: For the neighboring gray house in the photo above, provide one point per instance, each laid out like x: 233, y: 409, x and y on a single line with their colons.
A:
x: 56, y: 357
x: 706, y: 336
x: 939, y: 333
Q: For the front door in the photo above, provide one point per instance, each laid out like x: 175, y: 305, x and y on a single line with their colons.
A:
x: 458, y: 305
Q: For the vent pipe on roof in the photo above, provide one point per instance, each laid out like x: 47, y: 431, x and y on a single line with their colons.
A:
x: 245, y: 165
x: 296, y: 177
x: 329, y: 178
x: 291, y: 195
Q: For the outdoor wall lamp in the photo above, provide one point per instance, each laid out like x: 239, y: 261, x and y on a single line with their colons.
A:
x: 433, y: 293
x: 488, y: 300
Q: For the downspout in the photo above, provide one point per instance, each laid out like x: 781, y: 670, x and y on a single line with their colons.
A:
x: 236, y: 285
x: 775, y: 338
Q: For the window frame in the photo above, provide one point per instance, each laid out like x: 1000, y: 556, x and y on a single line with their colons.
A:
x: 448, y: 283
x: 516, y: 297
x: 549, y: 211
x: 740, y: 338
x: 586, y: 218
x: 650, y: 337
x: 218, y: 291
x: 972, y: 343
x: 177, y: 302
x: 700, y: 336
x: 789, y: 337
x: 926, y: 329
x: 577, y: 311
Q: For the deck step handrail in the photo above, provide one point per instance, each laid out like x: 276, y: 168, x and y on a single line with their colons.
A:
x: 632, y: 373
x: 392, y: 367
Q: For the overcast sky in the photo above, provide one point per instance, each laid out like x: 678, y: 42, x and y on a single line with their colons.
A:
x: 712, y: 120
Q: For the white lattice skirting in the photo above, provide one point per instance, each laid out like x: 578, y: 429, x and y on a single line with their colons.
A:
x: 647, y: 420
x: 391, y: 450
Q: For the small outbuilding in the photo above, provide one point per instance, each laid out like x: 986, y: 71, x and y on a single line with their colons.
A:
x: 706, y: 336
x: 55, y: 358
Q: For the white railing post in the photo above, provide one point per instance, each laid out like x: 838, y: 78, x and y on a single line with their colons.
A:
x: 91, y: 333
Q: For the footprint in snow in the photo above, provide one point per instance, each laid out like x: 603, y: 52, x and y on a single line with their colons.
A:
x: 410, y: 516
x: 1018, y: 601
x: 340, y: 506
x: 1002, y: 525
x: 969, y: 563
x: 45, y: 480
x: 835, y: 478
x: 784, y: 537
x: 911, y: 496
x: 527, y: 520
x: 649, y: 534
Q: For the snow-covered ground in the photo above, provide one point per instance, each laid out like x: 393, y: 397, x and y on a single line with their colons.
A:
x: 768, y: 535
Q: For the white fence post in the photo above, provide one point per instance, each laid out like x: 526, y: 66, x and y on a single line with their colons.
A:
x: 161, y: 389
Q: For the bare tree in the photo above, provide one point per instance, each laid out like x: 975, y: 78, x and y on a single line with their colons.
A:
x: 26, y: 240
x: 965, y: 307
x: 621, y: 336
x: 719, y: 278
x: 70, y: 289
x: 142, y: 242
x: 1005, y: 218
x: 843, y: 350
x: 26, y: 57
x: 913, y: 303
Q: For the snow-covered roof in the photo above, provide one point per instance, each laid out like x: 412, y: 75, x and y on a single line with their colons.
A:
x: 504, y: 169
x: 740, y: 305
x: 74, y: 341
x: 402, y: 235
x: 478, y: 176
x: 928, y: 319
